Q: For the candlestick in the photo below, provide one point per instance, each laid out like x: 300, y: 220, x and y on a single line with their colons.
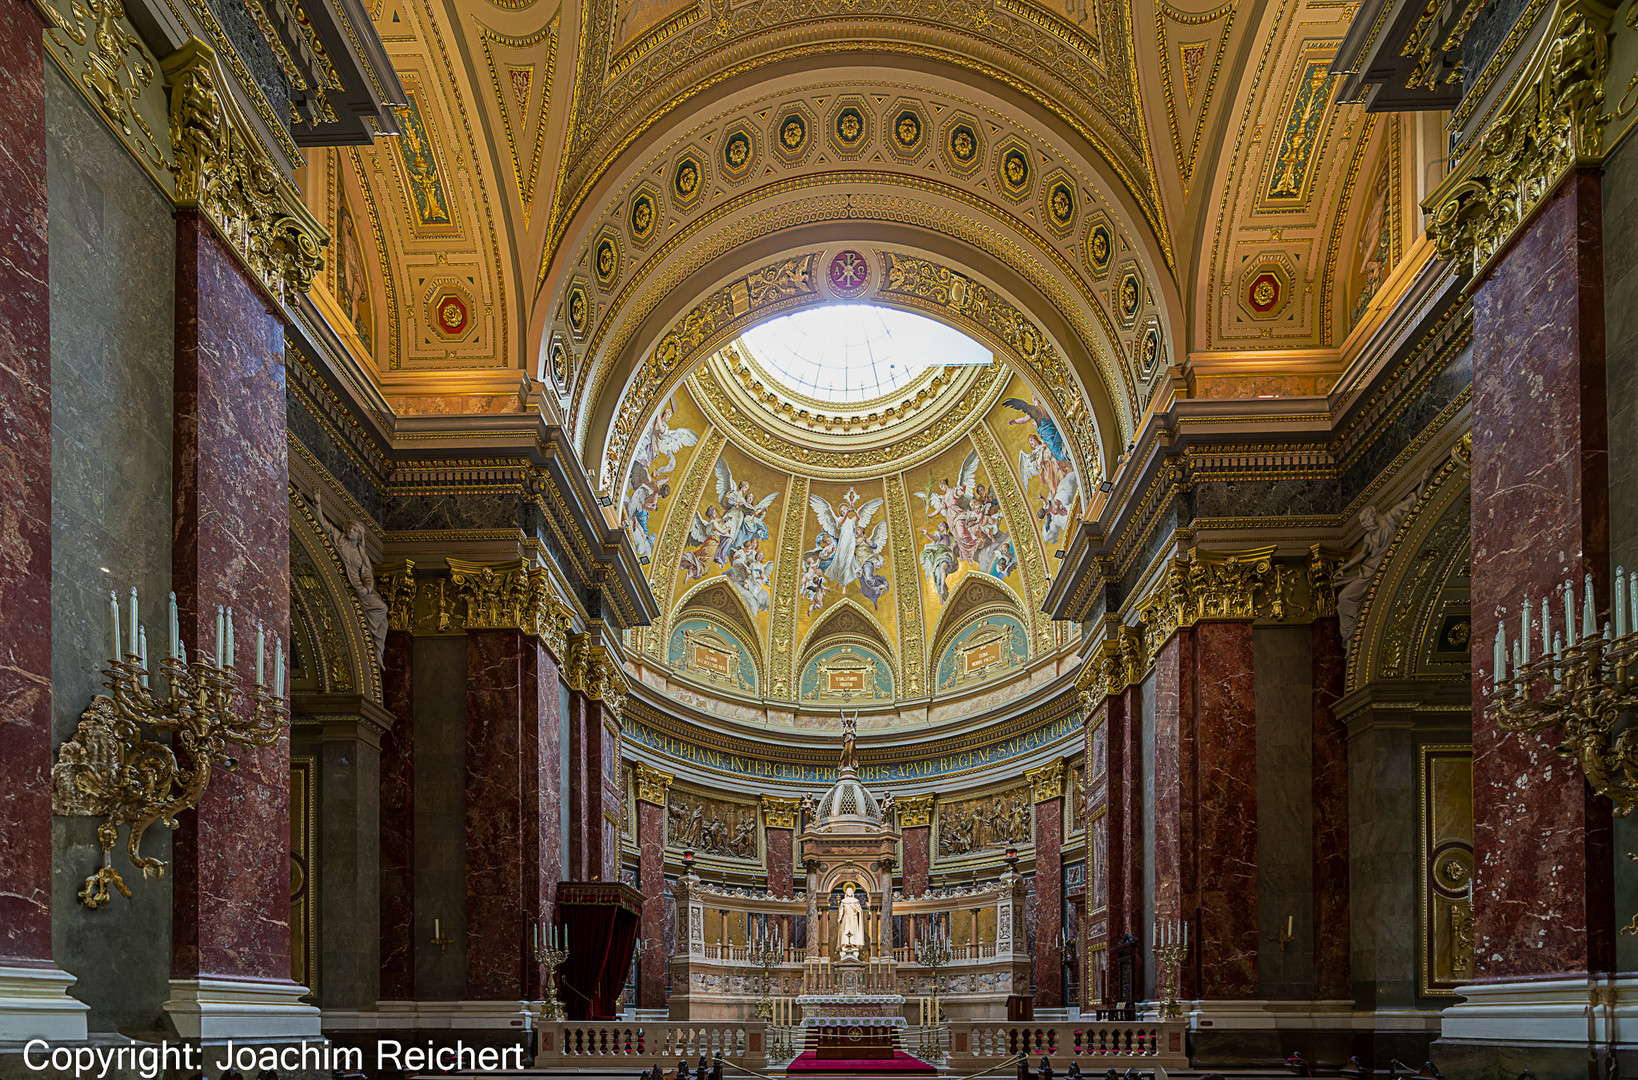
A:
x: 230, y: 637
x: 176, y: 636
x: 135, y: 623
x: 113, y: 615
x: 259, y: 643
x: 221, y: 634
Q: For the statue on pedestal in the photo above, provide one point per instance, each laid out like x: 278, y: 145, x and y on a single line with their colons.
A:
x: 850, y: 924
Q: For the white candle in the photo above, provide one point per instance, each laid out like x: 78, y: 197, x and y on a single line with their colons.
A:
x: 1546, y: 627
x: 142, y: 642
x: 1524, y: 633
x: 1497, y: 661
x: 113, y: 615
x: 221, y: 634
x: 1185, y: 942
x: 182, y: 654
x: 135, y: 624
x: 229, y: 637
x: 1589, y: 616
x: 1569, y: 614
x: 176, y: 635
x: 1290, y: 923
x: 1620, y: 603
x: 278, y: 667
x: 259, y: 643
x: 436, y: 931
x: 1632, y: 602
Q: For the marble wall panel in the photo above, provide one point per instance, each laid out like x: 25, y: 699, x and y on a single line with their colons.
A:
x: 1174, y: 787
x: 397, y: 801
x: 1285, y: 810
x: 1382, y: 862
x: 349, y: 846
x: 1049, y: 903
x: 230, y: 546
x: 1329, y: 794
x: 1541, y: 514
x: 439, y: 681
x: 781, y: 856
x: 651, y: 882
x: 917, y: 845
x: 1226, y: 843
x: 1148, y: 839
x: 113, y: 246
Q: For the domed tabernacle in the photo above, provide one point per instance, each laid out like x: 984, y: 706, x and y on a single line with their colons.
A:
x: 847, y: 802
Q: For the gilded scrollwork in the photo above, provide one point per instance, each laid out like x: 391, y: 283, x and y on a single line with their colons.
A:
x: 915, y: 810
x: 395, y: 582
x: 908, y: 587
x: 116, y: 69
x: 652, y: 783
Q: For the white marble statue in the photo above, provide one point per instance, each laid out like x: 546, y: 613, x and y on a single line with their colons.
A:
x: 360, y: 574
x: 1353, y: 578
x: 850, y: 931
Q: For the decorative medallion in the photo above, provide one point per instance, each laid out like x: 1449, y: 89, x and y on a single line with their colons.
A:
x: 738, y: 152
x: 849, y: 126
x: 792, y: 134
x: 577, y: 309
x: 1263, y: 294
x: 1013, y: 169
x: 562, y: 368
x: 1100, y: 248
x: 1060, y: 205
x: 849, y: 273
x: 687, y: 179
x: 906, y: 135
x: 962, y: 148
x: 643, y: 216
x: 1129, y: 296
x: 1148, y: 349
x: 449, y: 315
x: 606, y: 262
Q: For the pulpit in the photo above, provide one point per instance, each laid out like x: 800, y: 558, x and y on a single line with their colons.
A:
x: 601, y: 919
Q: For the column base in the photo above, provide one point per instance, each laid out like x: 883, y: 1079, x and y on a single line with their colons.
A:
x: 1235, y: 1033
x: 436, y: 1016
x: 264, y: 1010
x: 1540, y: 1025
x: 34, y: 1004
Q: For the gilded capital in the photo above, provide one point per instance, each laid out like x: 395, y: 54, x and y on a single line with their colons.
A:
x: 915, y: 810
x: 1047, y: 781
x: 652, y: 784
x: 780, y: 813
x: 395, y: 582
x: 593, y: 670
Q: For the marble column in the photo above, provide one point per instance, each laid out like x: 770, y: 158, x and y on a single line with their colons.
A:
x: 813, y: 908
x: 397, y: 803
x: 1048, y: 784
x: 1540, y: 492
x: 1205, y: 767
x: 652, y: 788
x: 33, y: 999
x: 1329, y: 778
x: 918, y: 856
x: 230, y: 956
x: 512, y: 860
x: 779, y: 832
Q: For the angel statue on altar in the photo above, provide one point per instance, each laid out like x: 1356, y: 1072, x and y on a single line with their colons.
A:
x: 850, y: 932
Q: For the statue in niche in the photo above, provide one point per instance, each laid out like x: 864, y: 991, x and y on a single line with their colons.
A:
x: 1353, y: 578
x: 360, y: 574
x: 850, y: 932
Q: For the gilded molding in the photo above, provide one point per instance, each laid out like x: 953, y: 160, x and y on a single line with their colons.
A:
x: 1240, y: 586
x: 780, y: 813
x: 594, y: 670
x: 915, y: 810
x: 512, y: 595
x: 907, y: 583
x: 1047, y: 781
x: 221, y: 170
x: 395, y: 582
x: 1551, y: 123
x: 652, y: 784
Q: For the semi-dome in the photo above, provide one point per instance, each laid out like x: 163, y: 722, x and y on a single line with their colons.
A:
x: 847, y: 803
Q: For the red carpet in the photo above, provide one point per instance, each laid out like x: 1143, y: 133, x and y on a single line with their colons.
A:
x: 900, y: 1064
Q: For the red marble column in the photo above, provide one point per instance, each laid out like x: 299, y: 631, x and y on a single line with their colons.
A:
x: 582, y: 719
x: 25, y: 498
x: 1540, y: 490
x: 1332, y: 981
x: 781, y: 861
x: 918, y: 852
x: 651, y: 881
x: 1049, y: 901
x: 511, y: 832
x: 1206, y: 805
x: 230, y: 546
x: 1126, y: 839
x: 398, y: 822
x: 594, y: 761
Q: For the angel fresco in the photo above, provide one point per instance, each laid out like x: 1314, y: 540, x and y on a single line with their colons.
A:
x: 650, y: 480
x: 1046, y: 457
x: 972, y: 532
x: 730, y: 536
x: 845, y: 545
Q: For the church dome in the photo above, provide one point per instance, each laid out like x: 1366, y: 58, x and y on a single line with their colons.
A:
x: 847, y: 803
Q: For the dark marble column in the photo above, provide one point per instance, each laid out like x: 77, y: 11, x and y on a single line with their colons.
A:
x: 397, y: 802
x: 512, y: 837
x: 1540, y: 490
x: 231, y: 913
x: 916, y: 831
x: 582, y: 718
x: 1205, y: 846
x: 1048, y: 782
x: 594, y: 758
x: 652, y: 785
x: 779, y: 830
x: 1330, y: 800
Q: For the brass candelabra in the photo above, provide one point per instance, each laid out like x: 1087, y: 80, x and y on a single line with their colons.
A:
x: 552, y: 951
x: 1170, y: 946
x: 767, y: 952
x: 934, y: 953
x: 112, y: 769
x: 1580, y: 683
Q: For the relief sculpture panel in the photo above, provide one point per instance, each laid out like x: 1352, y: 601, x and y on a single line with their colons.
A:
x: 710, y: 826
x: 989, y: 823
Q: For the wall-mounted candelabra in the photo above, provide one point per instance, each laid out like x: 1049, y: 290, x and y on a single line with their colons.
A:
x: 1171, y: 944
x: 1582, y: 680
x: 552, y: 951
x: 1287, y: 933
x: 767, y: 952
x: 112, y: 769
x: 933, y: 952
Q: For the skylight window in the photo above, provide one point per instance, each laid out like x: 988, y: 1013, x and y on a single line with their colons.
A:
x: 856, y: 352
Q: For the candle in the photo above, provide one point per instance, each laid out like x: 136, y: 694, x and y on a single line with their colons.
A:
x: 1185, y: 942
x: 1589, y: 616
x: 182, y: 654
x: 1569, y: 614
x: 1497, y: 659
x: 259, y: 644
x: 142, y: 651
x: 229, y: 637
x: 135, y: 651
x: 1290, y: 924
x: 1524, y: 634
x: 1546, y: 627
x: 176, y: 636
x: 1620, y: 604
x: 113, y: 615
x: 221, y: 633
x: 436, y: 932
x: 1632, y: 601
x: 278, y: 667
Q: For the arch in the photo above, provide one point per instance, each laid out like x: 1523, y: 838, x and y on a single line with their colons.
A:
x: 722, y: 659
x: 846, y: 620
x: 989, y: 643
x: 335, y: 647
x: 715, y: 599
x: 976, y: 592
x: 1422, y: 580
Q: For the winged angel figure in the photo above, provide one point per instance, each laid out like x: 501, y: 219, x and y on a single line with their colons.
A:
x: 972, y: 531
x: 730, y: 534
x: 1047, y: 458
x: 651, y: 480
x: 846, y: 551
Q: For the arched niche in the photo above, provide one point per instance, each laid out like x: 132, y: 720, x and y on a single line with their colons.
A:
x: 333, y: 651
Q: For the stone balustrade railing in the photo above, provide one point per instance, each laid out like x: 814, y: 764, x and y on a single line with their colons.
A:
x: 974, y: 1044
x: 642, y: 1043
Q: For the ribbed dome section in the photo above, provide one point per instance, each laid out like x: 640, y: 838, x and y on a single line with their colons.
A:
x: 847, y: 801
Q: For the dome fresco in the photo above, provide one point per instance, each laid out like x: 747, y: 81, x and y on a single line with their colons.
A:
x: 840, y: 570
